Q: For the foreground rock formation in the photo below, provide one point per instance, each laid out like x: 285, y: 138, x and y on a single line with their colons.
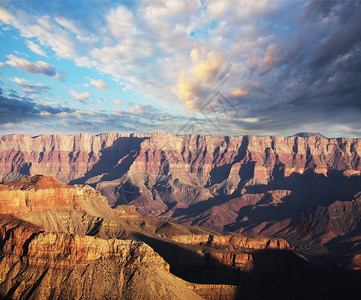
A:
x: 74, y: 246
x: 305, y: 189
x: 39, y: 265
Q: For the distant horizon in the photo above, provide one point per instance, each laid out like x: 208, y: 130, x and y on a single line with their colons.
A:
x: 298, y: 134
x: 236, y: 67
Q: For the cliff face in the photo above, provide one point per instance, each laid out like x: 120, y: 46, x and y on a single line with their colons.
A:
x: 66, y: 157
x: 39, y: 265
x: 85, y: 156
x: 77, y: 247
x: 303, y: 189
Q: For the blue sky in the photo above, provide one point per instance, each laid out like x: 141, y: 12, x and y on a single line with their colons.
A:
x: 229, y: 67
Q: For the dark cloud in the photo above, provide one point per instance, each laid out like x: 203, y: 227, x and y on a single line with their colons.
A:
x: 344, y: 33
x: 16, y: 110
x: 318, y: 83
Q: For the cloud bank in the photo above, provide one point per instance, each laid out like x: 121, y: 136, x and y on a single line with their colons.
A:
x: 285, y: 66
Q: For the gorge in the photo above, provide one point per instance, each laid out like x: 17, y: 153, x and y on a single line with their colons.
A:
x: 305, y: 189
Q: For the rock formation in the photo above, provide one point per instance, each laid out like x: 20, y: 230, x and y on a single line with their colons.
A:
x: 38, y: 265
x: 65, y: 242
x: 76, y: 240
x: 305, y: 188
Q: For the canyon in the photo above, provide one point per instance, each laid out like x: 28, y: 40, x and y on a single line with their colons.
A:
x: 65, y: 242
x: 305, y: 189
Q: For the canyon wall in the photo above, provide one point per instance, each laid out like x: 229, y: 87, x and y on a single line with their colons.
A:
x: 211, y: 158
x: 39, y: 265
x: 305, y: 189
x: 65, y: 242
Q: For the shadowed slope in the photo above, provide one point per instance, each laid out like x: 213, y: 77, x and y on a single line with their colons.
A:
x: 220, y: 265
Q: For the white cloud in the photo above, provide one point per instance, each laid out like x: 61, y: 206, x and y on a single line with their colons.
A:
x: 5, y: 16
x: 86, y: 84
x: 217, y: 9
x: 143, y: 109
x: 120, y: 22
x: 34, y: 68
x: 8, y: 125
x: 100, y: 84
x: 42, y: 28
x: 68, y: 24
x: 63, y: 114
x: 118, y: 102
x: 30, y: 88
x: 192, y: 84
x: 2, y: 65
x: 79, y: 96
x: 35, y: 48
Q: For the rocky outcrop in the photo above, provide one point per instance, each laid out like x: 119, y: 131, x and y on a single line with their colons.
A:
x: 39, y: 265
x: 60, y: 210
x: 42, y: 193
x: 232, y: 242
x: 88, y: 250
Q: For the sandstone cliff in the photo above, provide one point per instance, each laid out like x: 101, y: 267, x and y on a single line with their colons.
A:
x: 63, y: 245
x: 83, y: 249
x: 83, y: 155
x: 39, y: 265
x: 285, y: 187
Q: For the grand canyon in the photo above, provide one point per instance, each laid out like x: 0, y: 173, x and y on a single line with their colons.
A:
x: 180, y: 149
x: 219, y: 217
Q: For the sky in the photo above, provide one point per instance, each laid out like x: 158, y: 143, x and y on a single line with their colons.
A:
x: 266, y: 67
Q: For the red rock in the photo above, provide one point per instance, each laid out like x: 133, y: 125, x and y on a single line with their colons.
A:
x: 246, y: 184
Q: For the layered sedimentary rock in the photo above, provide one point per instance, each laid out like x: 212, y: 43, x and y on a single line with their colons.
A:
x: 302, y: 188
x: 78, y: 247
x: 66, y: 157
x: 39, y: 265
x: 83, y: 155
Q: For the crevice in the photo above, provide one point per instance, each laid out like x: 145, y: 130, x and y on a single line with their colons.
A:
x: 27, y: 243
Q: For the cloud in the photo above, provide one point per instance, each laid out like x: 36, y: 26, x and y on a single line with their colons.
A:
x: 284, y: 65
x: 141, y: 109
x: 30, y: 88
x: 40, y: 67
x: 239, y: 92
x: 79, y: 96
x: 272, y: 57
x: 120, y: 22
x: 23, y: 115
x: 35, y: 48
x: 118, y: 102
x: 2, y: 65
x: 42, y: 28
x: 100, y: 84
x: 68, y: 24
x: 205, y: 68
x: 15, y: 110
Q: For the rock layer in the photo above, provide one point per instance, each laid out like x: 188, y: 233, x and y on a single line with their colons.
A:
x: 302, y: 188
x: 65, y: 245
x: 39, y: 265
x: 83, y: 156
x: 125, y: 256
